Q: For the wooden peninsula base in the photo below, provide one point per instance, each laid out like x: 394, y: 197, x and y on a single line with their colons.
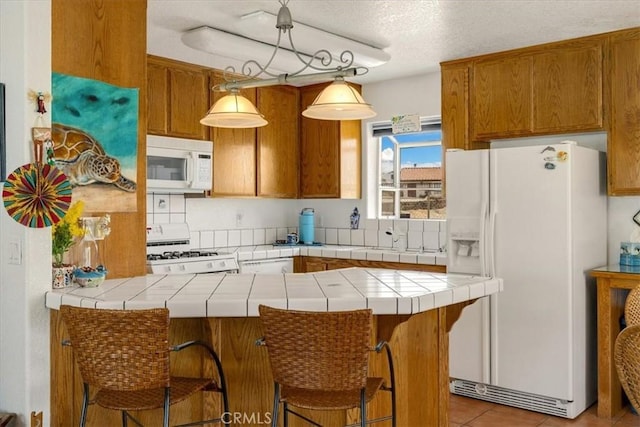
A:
x: 420, y: 351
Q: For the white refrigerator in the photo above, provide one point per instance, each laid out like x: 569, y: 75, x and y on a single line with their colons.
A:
x: 535, y: 216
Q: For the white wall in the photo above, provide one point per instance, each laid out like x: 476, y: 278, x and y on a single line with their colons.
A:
x: 25, y: 63
x: 621, y: 225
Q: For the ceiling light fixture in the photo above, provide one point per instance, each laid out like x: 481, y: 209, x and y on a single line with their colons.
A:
x: 338, y: 101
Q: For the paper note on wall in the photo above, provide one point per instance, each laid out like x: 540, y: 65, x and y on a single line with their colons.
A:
x: 406, y: 123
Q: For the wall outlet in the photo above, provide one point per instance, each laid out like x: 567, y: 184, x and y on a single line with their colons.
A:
x: 239, y: 217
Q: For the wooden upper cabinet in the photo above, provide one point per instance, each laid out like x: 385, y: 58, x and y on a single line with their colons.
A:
x: 157, y: 98
x: 330, y: 153
x: 277, y: 143
x: 234, y: 152
x: 567, y: 88
x: 501, y: 97
x: 178, y: 96
x: 541, y: 90
x: 455, y: 106
x: 623, y: 150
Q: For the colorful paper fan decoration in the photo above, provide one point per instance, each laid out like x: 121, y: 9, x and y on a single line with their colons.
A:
x: 37, y: 195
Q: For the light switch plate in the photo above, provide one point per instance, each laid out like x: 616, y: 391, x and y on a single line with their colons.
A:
x: 15, y: 253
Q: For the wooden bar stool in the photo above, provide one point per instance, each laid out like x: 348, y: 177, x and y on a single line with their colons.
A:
x: 320, y: 361
x: 124, y: 355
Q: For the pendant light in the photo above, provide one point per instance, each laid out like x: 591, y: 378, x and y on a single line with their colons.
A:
x: 233, y: 111
x: 338, y: 101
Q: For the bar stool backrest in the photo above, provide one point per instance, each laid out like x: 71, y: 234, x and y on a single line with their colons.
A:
x: 627, y: 360
x: 121, y: 350
x: 318, y: 350
x: 632, y: 307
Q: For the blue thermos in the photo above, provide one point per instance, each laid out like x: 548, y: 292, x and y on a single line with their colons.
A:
x: 306, y: 228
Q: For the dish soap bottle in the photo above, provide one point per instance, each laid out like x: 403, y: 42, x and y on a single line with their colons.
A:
x: 354, y: 219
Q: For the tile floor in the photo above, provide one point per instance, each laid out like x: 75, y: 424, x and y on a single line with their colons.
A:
x: 466, y: 412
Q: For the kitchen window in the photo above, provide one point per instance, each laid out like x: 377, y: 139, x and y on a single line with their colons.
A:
x: 410, y: 172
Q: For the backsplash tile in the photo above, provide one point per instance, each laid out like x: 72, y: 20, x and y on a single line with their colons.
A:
x: 357, y: 237
x: 370, y: 224
x: 234, y: 238
x: 428, y: 235
x: 371, y: 237
x: 270, y: 235
x: 344, y: 236
x: 431, y: 240
x: 206, y: 239
x: 246, y: 237
x: 177, y: 203
x: 259, y: 236
x: 221, y: 238
x: 331, y: 236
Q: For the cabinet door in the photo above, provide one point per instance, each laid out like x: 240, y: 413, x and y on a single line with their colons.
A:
x: 623, y: 150
x: 567, y: 89
x: 178, y: 97
x: 319, y: 151
x: 278, y: 154
x: 188, y: 103
x: 311, y: 265
x: 157, y: 99
x: 234, y: 153
x: 501, y: 97
x: 455, y: 111
x: 330, y: 153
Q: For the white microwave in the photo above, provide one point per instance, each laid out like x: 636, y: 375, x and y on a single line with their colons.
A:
x: 178, y: 165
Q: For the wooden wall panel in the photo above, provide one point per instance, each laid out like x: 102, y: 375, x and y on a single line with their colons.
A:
x: 106, y: 40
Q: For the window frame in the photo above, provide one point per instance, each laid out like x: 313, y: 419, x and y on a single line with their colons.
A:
x: 380, y: 130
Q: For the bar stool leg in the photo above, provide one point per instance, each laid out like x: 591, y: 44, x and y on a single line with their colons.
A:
x: 276, y: 400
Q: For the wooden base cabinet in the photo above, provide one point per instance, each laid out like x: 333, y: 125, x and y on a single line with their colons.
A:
x: 330, y: 153
x: 308, y: 264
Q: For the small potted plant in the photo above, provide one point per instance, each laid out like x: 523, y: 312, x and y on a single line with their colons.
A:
x: 63, y: 237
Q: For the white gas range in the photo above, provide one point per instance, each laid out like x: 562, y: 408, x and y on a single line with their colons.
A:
x: 168, y: 252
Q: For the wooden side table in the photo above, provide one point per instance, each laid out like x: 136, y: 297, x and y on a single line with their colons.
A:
x: 613, y: 283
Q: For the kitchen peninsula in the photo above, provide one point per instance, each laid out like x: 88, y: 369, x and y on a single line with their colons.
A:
x: 413, y: 311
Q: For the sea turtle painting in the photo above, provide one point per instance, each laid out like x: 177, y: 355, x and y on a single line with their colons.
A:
x: 84, y: 160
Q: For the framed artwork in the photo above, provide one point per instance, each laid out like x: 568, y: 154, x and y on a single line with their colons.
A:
x: 94, y: 132
x: 3, y: 142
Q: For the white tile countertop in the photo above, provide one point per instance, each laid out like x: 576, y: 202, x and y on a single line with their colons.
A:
x: 249, y: 253
x: 238, y: 295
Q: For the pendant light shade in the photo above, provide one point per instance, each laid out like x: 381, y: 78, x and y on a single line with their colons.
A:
x: 234, y: 111
x: 339, y: 101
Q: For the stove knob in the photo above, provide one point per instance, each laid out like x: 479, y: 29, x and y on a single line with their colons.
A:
x: 168, y: 269
x: 223, y: 263
x: 209, y: 265
x: 182, y: 268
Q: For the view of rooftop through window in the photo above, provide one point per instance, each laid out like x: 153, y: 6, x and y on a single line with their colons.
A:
x: 410, y: 184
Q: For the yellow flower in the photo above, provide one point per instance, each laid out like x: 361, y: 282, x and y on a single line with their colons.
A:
x: 63, y: 233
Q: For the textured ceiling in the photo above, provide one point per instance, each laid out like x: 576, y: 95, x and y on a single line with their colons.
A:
x: 418, y: 35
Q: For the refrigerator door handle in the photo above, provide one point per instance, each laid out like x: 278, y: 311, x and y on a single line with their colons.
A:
x: 492, y: 243
x: 485, y: 250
